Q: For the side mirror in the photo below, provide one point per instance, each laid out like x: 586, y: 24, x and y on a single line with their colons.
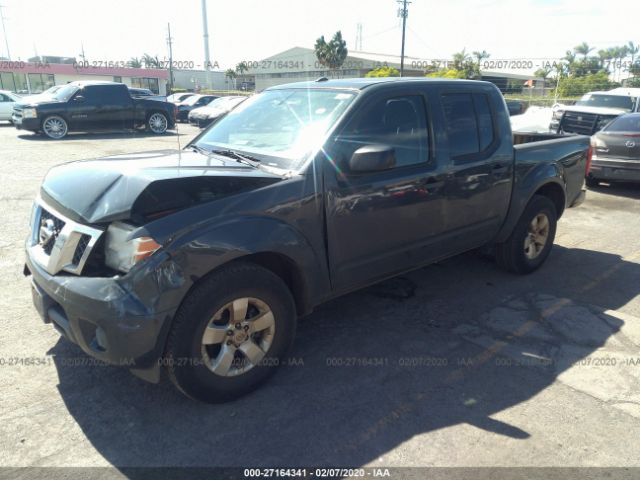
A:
x: 78, y: 98
x: 372, y: 158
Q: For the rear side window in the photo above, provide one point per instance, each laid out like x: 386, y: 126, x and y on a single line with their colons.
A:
x: 107, y: 93
x: 625, y: 123
x: 469, y: 123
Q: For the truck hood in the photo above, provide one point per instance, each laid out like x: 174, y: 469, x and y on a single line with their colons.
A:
x: 144, y: 186
x: 37, y: 100
x: 596, y: 110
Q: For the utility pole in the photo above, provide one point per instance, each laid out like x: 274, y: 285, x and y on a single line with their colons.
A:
x: 82, y: 55
x: 403, y: 13
x: 205, y: 34
x: 359, y: 37
x: 4, y: 32
x: 170, y: 44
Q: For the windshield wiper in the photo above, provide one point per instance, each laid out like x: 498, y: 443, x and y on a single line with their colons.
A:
x: 198, y: 149
x: 240, y: 157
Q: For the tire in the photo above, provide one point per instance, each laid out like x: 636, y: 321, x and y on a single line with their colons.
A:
x: 191, y: 356
x: 591, y: 182
x: 157, y: 123
x: 55, y: 127
x: 519, y: 254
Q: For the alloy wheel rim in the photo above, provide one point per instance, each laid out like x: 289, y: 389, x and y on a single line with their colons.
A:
x: 55, y: 127
x: 158, y: 123
x: 537, y: 236
x: 238, y: 337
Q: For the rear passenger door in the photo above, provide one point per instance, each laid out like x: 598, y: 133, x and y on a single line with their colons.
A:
x: 383, y: 222
x: 479, y: 180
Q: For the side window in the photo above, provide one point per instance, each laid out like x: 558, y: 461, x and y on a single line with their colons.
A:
x: 469, y: 124
x: 400, y: 122
x: 89, y: 93
x: 4, y: 98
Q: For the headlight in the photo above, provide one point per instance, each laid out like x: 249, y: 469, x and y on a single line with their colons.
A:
x: 29, y: 113
x: 557, y: 115
x: 122, y: 254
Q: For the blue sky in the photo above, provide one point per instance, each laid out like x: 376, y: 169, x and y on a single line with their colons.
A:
x: 255, y: 29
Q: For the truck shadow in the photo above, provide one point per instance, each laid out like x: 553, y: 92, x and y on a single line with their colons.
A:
x: 372, y: 370
x: 106, y: 135
x: 619, y: 189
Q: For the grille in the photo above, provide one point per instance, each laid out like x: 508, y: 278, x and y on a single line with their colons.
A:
x: 582, y: 123
x: 58, y: 226
x: 83, y: 243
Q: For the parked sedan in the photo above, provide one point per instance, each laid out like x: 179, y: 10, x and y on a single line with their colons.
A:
x: 179, y: 97
x: 616, y: 151
x: 191, y: 103
x: 7, y: 101
x: 204, y: 116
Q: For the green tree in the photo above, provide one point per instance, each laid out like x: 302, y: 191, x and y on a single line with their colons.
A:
x: 231, y: 75
x: 383, y: 72
x: 134, y: 62
x: 150, y: 62
x: 480, y: 56
x: 447, y: 73
x: 331, y: 54
x: 583, y: 49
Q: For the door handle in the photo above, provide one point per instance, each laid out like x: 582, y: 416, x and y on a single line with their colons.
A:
x: 499, y: 168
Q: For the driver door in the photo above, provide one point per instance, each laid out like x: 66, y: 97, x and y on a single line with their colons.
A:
x: 383, y: 222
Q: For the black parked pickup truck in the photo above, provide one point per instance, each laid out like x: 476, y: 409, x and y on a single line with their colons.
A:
x: 200, y: 261
x: 91, y: 106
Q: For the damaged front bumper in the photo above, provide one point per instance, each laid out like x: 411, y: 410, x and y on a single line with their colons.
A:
x: 107, y: 317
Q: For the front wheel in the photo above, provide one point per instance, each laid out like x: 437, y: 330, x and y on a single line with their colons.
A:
x: 530, y: 243
x: 55, y: 127
x: 157, y: 123
x: 230, y: 334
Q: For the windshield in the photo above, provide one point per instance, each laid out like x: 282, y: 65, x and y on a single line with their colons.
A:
x: 191, y: 100
x: 626, y: 123
x: 65, y: 93
x: 283, y: 125
x: 609, y: 101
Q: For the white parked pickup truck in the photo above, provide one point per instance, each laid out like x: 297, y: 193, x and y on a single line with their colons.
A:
x: 594, y: 110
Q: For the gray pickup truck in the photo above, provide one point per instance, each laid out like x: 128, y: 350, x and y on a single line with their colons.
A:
x: 199, y: 261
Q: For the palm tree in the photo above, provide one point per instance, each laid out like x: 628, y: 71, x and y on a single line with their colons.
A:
x: 583, y: 49
x: 241, y: 68
x: 150, y: 62
x: 480, y: 56
x: 333, y: 53
x: 460, y: 58
x: 134, y: 62
x: 231, y: 75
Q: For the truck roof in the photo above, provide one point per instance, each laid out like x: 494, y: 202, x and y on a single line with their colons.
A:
x: 83, y: 83
x: 362, y: 83
x: 621, y: 91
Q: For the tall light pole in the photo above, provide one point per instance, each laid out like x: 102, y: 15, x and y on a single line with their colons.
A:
x: 4, y: 32
x: 205, y: 34
x: 170, y: 45
x: 403, y: 13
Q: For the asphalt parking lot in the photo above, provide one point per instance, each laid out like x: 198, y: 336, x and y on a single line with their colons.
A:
x: 456, y: 364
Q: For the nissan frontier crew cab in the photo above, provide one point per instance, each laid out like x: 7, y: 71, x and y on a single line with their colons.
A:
x: 198, y: 261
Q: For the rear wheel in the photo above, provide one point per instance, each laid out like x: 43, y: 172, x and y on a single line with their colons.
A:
x: 530, y: 243
x: 54, y: 127
x: 230, y: 334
